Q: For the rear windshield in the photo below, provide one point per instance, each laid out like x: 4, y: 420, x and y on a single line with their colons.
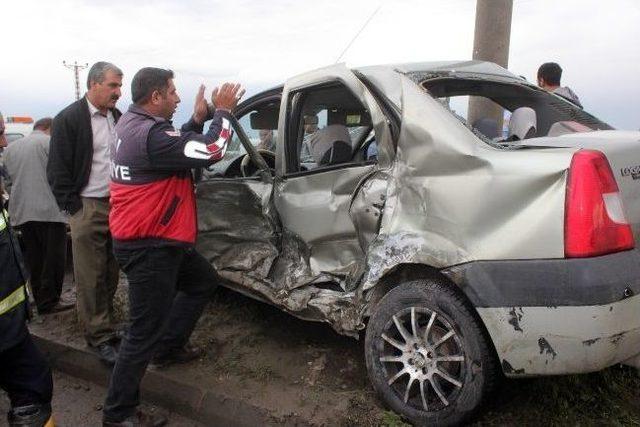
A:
x: 526, y: 110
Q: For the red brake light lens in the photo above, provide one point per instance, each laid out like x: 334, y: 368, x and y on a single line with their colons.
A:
x: 595, y: 223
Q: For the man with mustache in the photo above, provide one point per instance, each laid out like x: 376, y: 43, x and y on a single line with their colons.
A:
x: 154, y: 225
x: 78, y: 172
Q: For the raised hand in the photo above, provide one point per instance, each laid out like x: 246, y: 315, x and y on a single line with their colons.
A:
x: 200, y: 110
x: 227, y: 96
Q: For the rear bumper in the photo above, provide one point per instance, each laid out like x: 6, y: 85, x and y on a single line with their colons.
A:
x: 564, y: 340
x: 549, y: 317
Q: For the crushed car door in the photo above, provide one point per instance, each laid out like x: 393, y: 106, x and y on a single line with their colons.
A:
x: 237, y: 233
x: 333, y: 137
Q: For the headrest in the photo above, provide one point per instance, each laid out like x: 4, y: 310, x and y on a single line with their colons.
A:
x: 523, y: 124
x: 323, y: 140
x: 264, y: 119
x: 488, y: 127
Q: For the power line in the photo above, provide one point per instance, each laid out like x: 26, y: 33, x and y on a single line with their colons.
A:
x: 358, y: 33
x: 76, y: 71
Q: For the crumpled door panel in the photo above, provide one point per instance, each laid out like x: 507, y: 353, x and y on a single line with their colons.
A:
x: 236, y: 233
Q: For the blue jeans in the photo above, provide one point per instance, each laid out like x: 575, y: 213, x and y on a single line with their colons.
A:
x: 168, y: 286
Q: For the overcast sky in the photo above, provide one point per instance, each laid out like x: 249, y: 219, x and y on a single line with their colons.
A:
x: 262, y: 43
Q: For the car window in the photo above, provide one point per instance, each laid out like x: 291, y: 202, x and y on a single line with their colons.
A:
x: 261, y: 127
x: 261, y: 138
x: 528, y: 111
x: 333, y: 128
x: 487, y: 126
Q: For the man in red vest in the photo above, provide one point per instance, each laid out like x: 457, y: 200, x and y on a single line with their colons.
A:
x: 153, y: 224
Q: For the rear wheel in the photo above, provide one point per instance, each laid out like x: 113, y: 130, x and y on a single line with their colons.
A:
x: 427, y: 354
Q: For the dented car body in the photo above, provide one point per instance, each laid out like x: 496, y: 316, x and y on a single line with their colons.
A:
x: 328, y: 240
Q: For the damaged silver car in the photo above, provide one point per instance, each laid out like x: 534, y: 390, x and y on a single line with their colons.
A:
x: 365, y: 198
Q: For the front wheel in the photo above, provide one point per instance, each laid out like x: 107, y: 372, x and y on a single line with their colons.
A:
x: 427, y: 354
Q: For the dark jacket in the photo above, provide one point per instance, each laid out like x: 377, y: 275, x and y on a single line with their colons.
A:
x: 71, y: 154
x: 152, y: 199
x: 13, y: 297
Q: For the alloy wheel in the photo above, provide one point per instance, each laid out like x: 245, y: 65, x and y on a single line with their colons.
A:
x: 423, y: 358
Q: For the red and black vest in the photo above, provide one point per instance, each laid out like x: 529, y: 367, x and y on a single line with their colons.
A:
x: 152, y: 197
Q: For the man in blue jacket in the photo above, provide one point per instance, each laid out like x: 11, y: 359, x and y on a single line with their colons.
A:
x: 153, y: 223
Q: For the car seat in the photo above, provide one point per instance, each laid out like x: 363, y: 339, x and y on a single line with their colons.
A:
x: 523, y: 124
x: 331, y: 145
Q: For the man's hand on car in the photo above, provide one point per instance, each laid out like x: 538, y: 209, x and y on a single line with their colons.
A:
x: 227, y: 96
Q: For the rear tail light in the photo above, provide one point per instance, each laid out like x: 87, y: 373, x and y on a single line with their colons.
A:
x: 595, y: 223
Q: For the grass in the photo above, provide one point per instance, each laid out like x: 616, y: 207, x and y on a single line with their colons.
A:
x: 391, y: 419
x: 609, y: 397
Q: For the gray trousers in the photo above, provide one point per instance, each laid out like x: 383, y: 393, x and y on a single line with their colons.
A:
x: 95, y: 268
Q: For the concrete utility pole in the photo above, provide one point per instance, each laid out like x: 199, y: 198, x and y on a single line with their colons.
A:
x: 491, y: 43
x: 76, y: 71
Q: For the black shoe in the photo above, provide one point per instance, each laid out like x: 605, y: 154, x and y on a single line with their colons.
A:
x: 140, y: 419
x: 172, y: 357
x: 29, y: 416
x: 106, y: 352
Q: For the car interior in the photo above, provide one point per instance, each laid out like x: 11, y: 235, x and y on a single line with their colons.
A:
x: 530, y: 111
x: 333, y: 129
x: 260, y: 124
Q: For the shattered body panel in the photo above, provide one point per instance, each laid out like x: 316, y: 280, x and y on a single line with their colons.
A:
x: 258, y: 258
x: 317, y: 245
x: 453, y: 200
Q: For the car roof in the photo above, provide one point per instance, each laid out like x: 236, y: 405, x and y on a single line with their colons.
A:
x: 444, y: 67
x: 468, y: 68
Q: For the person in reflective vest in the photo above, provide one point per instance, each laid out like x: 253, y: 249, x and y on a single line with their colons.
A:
x: 24, y: 373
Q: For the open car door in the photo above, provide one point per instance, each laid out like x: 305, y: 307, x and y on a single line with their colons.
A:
x: 237, y: 232
x: 334, y: 137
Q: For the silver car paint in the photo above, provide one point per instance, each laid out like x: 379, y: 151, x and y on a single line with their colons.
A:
x: 547, y: 343
x: 439, y: 196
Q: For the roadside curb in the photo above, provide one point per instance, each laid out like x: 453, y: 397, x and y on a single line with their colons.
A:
x: 186, y: 399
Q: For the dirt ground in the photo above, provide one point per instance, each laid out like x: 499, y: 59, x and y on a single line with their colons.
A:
x: 79, y: 403
x: 294, y: 367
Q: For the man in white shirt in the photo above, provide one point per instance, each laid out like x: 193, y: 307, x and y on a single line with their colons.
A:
x: 78, y: 172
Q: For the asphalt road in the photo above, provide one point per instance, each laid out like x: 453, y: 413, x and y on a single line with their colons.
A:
x: 79, y: 403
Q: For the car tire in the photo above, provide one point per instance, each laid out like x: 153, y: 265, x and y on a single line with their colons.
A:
x: 443, y: 379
